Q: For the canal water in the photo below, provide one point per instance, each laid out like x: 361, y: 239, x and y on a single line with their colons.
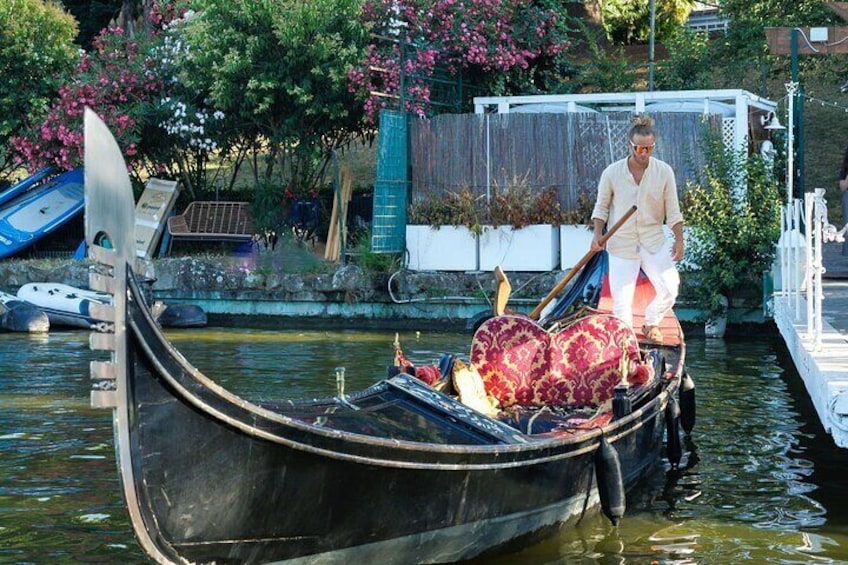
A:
x: 760, y: 482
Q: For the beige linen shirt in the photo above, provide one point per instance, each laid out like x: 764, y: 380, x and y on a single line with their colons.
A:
x: 655, y: 199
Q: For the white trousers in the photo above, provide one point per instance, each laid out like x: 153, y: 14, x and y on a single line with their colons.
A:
x: 662, y: 273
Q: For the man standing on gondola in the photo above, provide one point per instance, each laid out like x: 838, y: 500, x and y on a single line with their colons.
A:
x: 647, y: 183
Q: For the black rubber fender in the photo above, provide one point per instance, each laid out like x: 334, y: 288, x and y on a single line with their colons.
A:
x: 610, y: 481
x: 687, y: 403
x: 673, y: 447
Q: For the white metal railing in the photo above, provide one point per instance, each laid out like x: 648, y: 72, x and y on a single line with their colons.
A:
x: 802, y: 255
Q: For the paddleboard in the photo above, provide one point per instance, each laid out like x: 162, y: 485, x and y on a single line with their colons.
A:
x: 40, y: 210
x: 151, y: 212
x: 19, y: 188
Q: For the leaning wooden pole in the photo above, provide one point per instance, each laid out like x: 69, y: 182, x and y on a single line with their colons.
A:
x: 580, y: 264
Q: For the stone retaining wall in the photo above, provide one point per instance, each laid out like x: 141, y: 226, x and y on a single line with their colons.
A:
x: 233, y: 286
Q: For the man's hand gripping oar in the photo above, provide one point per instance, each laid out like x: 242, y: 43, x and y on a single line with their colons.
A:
x: 576, y: 268
x: 503, y: 288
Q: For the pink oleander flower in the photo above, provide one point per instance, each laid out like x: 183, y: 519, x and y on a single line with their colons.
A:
x: 491, y: 35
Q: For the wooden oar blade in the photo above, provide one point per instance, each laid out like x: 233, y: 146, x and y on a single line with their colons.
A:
x: 502, y: 291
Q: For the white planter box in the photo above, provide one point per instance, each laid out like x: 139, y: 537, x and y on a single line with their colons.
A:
x: 574, y: 243
x: 531, y: 248
x: 448, y: 248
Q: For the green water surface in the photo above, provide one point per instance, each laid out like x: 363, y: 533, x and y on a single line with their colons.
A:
x: 760, y: 481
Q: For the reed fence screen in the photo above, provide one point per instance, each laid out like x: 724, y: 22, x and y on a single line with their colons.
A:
x: 486, y: 153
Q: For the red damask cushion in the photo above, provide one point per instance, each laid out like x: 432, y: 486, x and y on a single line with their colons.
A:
x: 522, y: 364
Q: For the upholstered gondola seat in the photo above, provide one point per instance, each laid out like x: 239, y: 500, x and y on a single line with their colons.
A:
x: 522, y: 364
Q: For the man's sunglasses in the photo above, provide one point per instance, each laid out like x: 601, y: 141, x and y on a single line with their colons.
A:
x: 642, y: 149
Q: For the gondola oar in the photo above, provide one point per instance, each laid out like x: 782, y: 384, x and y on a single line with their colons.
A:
x: 576, y: 268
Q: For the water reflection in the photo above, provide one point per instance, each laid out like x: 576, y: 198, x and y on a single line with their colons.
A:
x: 759, y: 481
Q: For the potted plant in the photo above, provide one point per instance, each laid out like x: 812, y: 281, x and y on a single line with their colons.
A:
x: 575, y: 232
x: 442, y: 231
x: 523, y: 230
x: 733, y: 222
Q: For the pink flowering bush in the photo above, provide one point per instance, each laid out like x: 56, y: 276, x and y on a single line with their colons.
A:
x: 124, y: 80
x: 485, y: 39
x: 114, y: 80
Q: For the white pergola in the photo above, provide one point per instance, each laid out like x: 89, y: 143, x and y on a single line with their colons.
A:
x: 742, y: 105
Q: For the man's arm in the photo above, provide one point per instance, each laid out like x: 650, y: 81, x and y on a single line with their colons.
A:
x: 600, y: 214
x: 598, y: 234
x: 674, y: 217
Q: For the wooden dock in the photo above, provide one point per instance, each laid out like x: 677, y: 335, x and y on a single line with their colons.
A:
x: 824, y: 368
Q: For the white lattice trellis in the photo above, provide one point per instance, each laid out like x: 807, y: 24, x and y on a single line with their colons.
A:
x: 735, y: 105
x: 728, y: 132
x: 611, y: 150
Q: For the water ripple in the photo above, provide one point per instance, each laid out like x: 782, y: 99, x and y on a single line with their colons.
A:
x: 759, y: 481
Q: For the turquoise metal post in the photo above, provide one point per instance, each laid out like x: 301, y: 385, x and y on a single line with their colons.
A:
x: 799, y: 102
x: 794, y: 51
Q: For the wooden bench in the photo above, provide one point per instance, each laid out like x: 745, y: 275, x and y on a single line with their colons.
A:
x: 213, y: 221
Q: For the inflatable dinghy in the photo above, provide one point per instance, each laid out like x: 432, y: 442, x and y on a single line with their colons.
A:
x: 64, y: 305
x: 20, y: 316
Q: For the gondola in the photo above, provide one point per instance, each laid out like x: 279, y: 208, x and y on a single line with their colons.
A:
x: 401, y: 472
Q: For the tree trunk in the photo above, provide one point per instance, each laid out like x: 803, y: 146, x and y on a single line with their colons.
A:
x: 589, y: 11
x: 127, y: 17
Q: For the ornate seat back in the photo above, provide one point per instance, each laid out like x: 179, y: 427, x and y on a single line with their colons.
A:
x: 522, y: 364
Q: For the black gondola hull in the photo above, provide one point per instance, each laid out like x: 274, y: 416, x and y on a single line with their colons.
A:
x: 213, y: 487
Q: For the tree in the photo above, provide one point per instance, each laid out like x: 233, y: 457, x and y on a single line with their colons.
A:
x: 629, y: 21
x: 745, y: 37
x: 732, y: 229
x: 115, y: 80
x: 33, y: 65
x: 689, y: 64
x: 123, y: 79
x: 506, y: 47
x: 92, y: 16
x: 278, y: 70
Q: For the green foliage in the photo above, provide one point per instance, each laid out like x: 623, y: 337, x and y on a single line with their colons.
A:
x: 515, y: 205
x: 608, y: 69
x: 520, y: 206
x: 278, y: 71
x: 746, y: 38
x: 689, y: 64
x: 496, y: 48
x: 370, y: 261
x: 629, y: 21
x: 268, y: 209
x: 732, y: 233
x: 460, y: 208
x: 36, y: 52
x: 93, y: 16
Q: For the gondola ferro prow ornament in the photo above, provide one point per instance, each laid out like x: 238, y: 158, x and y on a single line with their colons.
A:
x: 109, y: 212
x: 110, y: 217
